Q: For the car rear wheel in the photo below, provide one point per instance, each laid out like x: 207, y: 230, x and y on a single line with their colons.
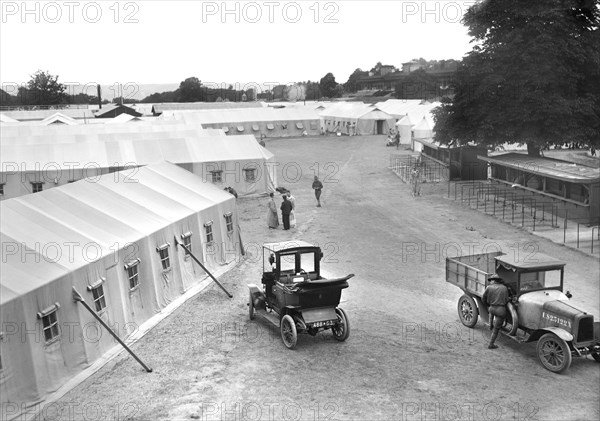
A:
x: 251, y: 307
x: 289, y: 335
x: 467, y: 311
x: 596, y: 356
x: 341, y: 330
x: 554, y: 353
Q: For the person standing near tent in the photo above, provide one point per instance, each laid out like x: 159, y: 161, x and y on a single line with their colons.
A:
x: 292, y: 200
x: 416, y: 182
x: 286, y: 209
x: 317, y: 187
x: 272, y: 218
x: 397, y: 139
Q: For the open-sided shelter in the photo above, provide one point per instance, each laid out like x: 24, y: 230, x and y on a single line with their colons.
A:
x: 114, y: 242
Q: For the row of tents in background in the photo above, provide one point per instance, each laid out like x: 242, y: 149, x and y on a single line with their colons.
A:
x: 259, y: 119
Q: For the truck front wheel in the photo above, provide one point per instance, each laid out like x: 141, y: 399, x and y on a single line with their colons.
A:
x: 467, y: 311
x: 554, y: 353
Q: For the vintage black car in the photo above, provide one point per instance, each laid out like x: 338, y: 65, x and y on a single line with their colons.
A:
x: 294, y: 296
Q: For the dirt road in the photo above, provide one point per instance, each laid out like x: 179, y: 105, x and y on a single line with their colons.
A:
x: 407, y: 358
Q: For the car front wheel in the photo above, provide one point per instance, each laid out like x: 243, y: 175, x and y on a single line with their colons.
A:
x: 554, y: 353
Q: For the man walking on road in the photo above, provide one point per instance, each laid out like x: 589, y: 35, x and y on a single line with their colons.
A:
x: 495, y: 297
x: 317, y: 186
x: 286, y: 209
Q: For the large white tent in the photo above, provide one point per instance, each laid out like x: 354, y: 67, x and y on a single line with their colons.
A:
x: 238, y: 162
x: 415, y: 109
x: 355, y: 118
x: 421, y: 131
x: 112, y: 240
x: 261, y: 122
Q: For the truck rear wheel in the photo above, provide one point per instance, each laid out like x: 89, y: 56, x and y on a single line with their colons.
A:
x: 467, y: 311
x: 554, y: 353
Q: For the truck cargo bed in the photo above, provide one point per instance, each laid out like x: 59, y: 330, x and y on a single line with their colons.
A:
x: 470, y: 273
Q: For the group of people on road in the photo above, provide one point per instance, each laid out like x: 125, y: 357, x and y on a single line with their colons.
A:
x: 288, y: 206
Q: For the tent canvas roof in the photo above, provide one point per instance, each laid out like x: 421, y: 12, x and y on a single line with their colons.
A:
x: 58, y: 118
x: 247, y: 115
x: 140, y: 152
x: 103, y: 213
x: 354, y: 110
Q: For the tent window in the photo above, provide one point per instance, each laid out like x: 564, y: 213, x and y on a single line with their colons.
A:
x: 187, y: 241
x: 300, y: 126
x: 49, y: 323
x: 209, y: 232
x: 270, y: 126
x: 229, y: 221
x: 37, y: 186
x: 98, y: 294
x: 225, y: 129
x: 255, y: 127
x: 217, y: 176
x: 163, y: 252
x: 2, y: 189
x: 99, y: 301
x: 250, y: 174
x: 240, y: 128
x: 133, y: 274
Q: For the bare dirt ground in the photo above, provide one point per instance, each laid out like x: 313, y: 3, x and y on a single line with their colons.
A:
x: 407, y: 358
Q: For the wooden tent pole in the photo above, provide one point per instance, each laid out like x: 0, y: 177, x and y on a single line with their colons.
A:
x: 178, y: 243
x: 77, y: 297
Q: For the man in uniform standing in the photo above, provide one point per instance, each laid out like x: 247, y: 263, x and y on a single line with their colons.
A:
x: 317, y: 186
x: 495, y: 297
x: 286, y: 209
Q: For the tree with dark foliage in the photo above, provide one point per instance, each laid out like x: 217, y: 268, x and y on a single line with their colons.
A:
x: 328, y: 86
x: 531, y: 78
x: 42, y: 89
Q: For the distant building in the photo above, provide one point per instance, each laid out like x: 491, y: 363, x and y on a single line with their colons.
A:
x: 389, y: 80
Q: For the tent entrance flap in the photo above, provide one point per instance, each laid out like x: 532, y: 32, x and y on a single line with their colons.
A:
x: 178, y: 243
x: 77, y: 297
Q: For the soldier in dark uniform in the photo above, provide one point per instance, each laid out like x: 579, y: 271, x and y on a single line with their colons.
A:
x: 495, y: 297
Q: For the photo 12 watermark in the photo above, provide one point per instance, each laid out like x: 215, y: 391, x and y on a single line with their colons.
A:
x: 53, y: 12
x: 270, y: 12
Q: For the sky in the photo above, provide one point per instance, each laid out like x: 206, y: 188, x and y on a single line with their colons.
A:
x: 221, y: 42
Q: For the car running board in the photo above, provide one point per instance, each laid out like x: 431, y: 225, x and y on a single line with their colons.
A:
x: 267, y: 315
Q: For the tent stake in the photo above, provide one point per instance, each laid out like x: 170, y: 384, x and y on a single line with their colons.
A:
x: 178, y: 243
x: 77, y: 297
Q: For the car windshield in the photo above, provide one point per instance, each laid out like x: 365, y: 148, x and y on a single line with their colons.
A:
x: 287, y: 262
x: 307, y: 262
x: 540, y: 280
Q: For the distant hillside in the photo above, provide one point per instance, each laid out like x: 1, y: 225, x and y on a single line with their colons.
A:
x: 133, y: 91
